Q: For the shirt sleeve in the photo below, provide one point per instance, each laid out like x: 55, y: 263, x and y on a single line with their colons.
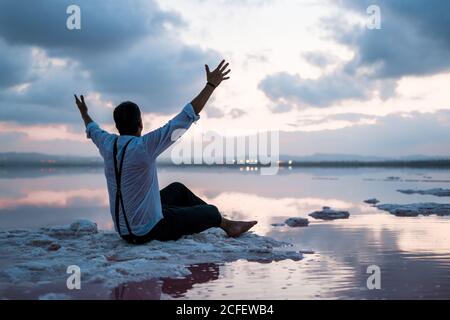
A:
x: 99, y: 136
x: 160, y: 139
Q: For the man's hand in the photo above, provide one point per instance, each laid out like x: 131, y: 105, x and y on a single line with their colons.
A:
x: 214, y: 79
x: 218, y: 75
x: 83, y: 109
x: 81, y: 104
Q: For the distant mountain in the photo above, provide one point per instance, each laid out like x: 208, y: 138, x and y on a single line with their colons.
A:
x: 320, y: 157
x: 32, y: 158
x: 357, y: 158
x: 423, y: 158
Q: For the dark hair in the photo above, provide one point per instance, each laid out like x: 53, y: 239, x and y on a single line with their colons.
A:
x: 127, y: 116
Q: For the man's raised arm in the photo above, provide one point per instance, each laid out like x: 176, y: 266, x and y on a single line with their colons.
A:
x: 213, y: 79
x: 83, y: 110
x: 94, y: 132
x: 160, y: 139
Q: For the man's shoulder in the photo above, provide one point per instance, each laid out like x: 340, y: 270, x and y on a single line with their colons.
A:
x: 137, y: 148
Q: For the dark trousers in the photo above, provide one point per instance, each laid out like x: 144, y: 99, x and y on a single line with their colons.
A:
x: 184, y: 213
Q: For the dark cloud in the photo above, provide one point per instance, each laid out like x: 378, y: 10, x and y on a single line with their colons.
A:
x: 414, y: 40
x: 124, y: 50
x: 14, y: 65
x: 159, y: 74
x: 48, y: 98
x: 320, y: 93
x: 104, y: 24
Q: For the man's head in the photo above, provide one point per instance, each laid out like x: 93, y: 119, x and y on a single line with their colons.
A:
x: 127, y: 116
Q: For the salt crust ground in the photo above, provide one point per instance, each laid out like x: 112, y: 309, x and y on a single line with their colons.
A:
x: 39, y: 256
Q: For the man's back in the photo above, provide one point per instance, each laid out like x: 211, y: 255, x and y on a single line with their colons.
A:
x: 139, y: 181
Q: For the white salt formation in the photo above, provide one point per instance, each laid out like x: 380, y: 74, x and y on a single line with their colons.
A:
x: 416, y: 209
x: 439, y: 192
x: 103, y: 257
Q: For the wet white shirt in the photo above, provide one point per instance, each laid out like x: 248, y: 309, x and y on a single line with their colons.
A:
x: 140, y: 188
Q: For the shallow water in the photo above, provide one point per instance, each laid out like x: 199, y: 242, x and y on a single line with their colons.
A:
x: 413, y: 253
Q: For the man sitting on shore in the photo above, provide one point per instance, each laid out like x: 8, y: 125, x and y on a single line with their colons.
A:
x: 140, y: 211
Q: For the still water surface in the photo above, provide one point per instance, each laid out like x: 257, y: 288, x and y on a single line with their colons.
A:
x: 412, y: 253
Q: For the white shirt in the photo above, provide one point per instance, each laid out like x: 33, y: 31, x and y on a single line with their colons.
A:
x: 140, y: 189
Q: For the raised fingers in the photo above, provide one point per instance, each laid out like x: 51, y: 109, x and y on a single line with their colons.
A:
x: 224, y: 67
x: 219, y: 67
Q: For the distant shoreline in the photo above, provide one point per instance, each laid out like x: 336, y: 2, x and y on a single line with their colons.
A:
x: 443, y: 164
x: 375, y: 164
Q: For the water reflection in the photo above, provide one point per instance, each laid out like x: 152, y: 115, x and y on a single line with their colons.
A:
x: 32, y: 199
x: 52, y: 198
x: 413, y: 253
x: 155, y: 289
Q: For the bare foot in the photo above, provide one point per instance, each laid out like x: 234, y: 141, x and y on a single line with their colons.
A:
x: 236, y: 228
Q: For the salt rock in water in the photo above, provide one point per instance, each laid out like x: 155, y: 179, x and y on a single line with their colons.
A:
x: 329, y: 214
x: 372, y: 201
x: 416, y: 209
x: 297, y: 222
x: 78, y: 228
x: 438, y: 192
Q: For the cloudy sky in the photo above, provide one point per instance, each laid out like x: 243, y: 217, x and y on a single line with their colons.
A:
x: 310, y: 69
